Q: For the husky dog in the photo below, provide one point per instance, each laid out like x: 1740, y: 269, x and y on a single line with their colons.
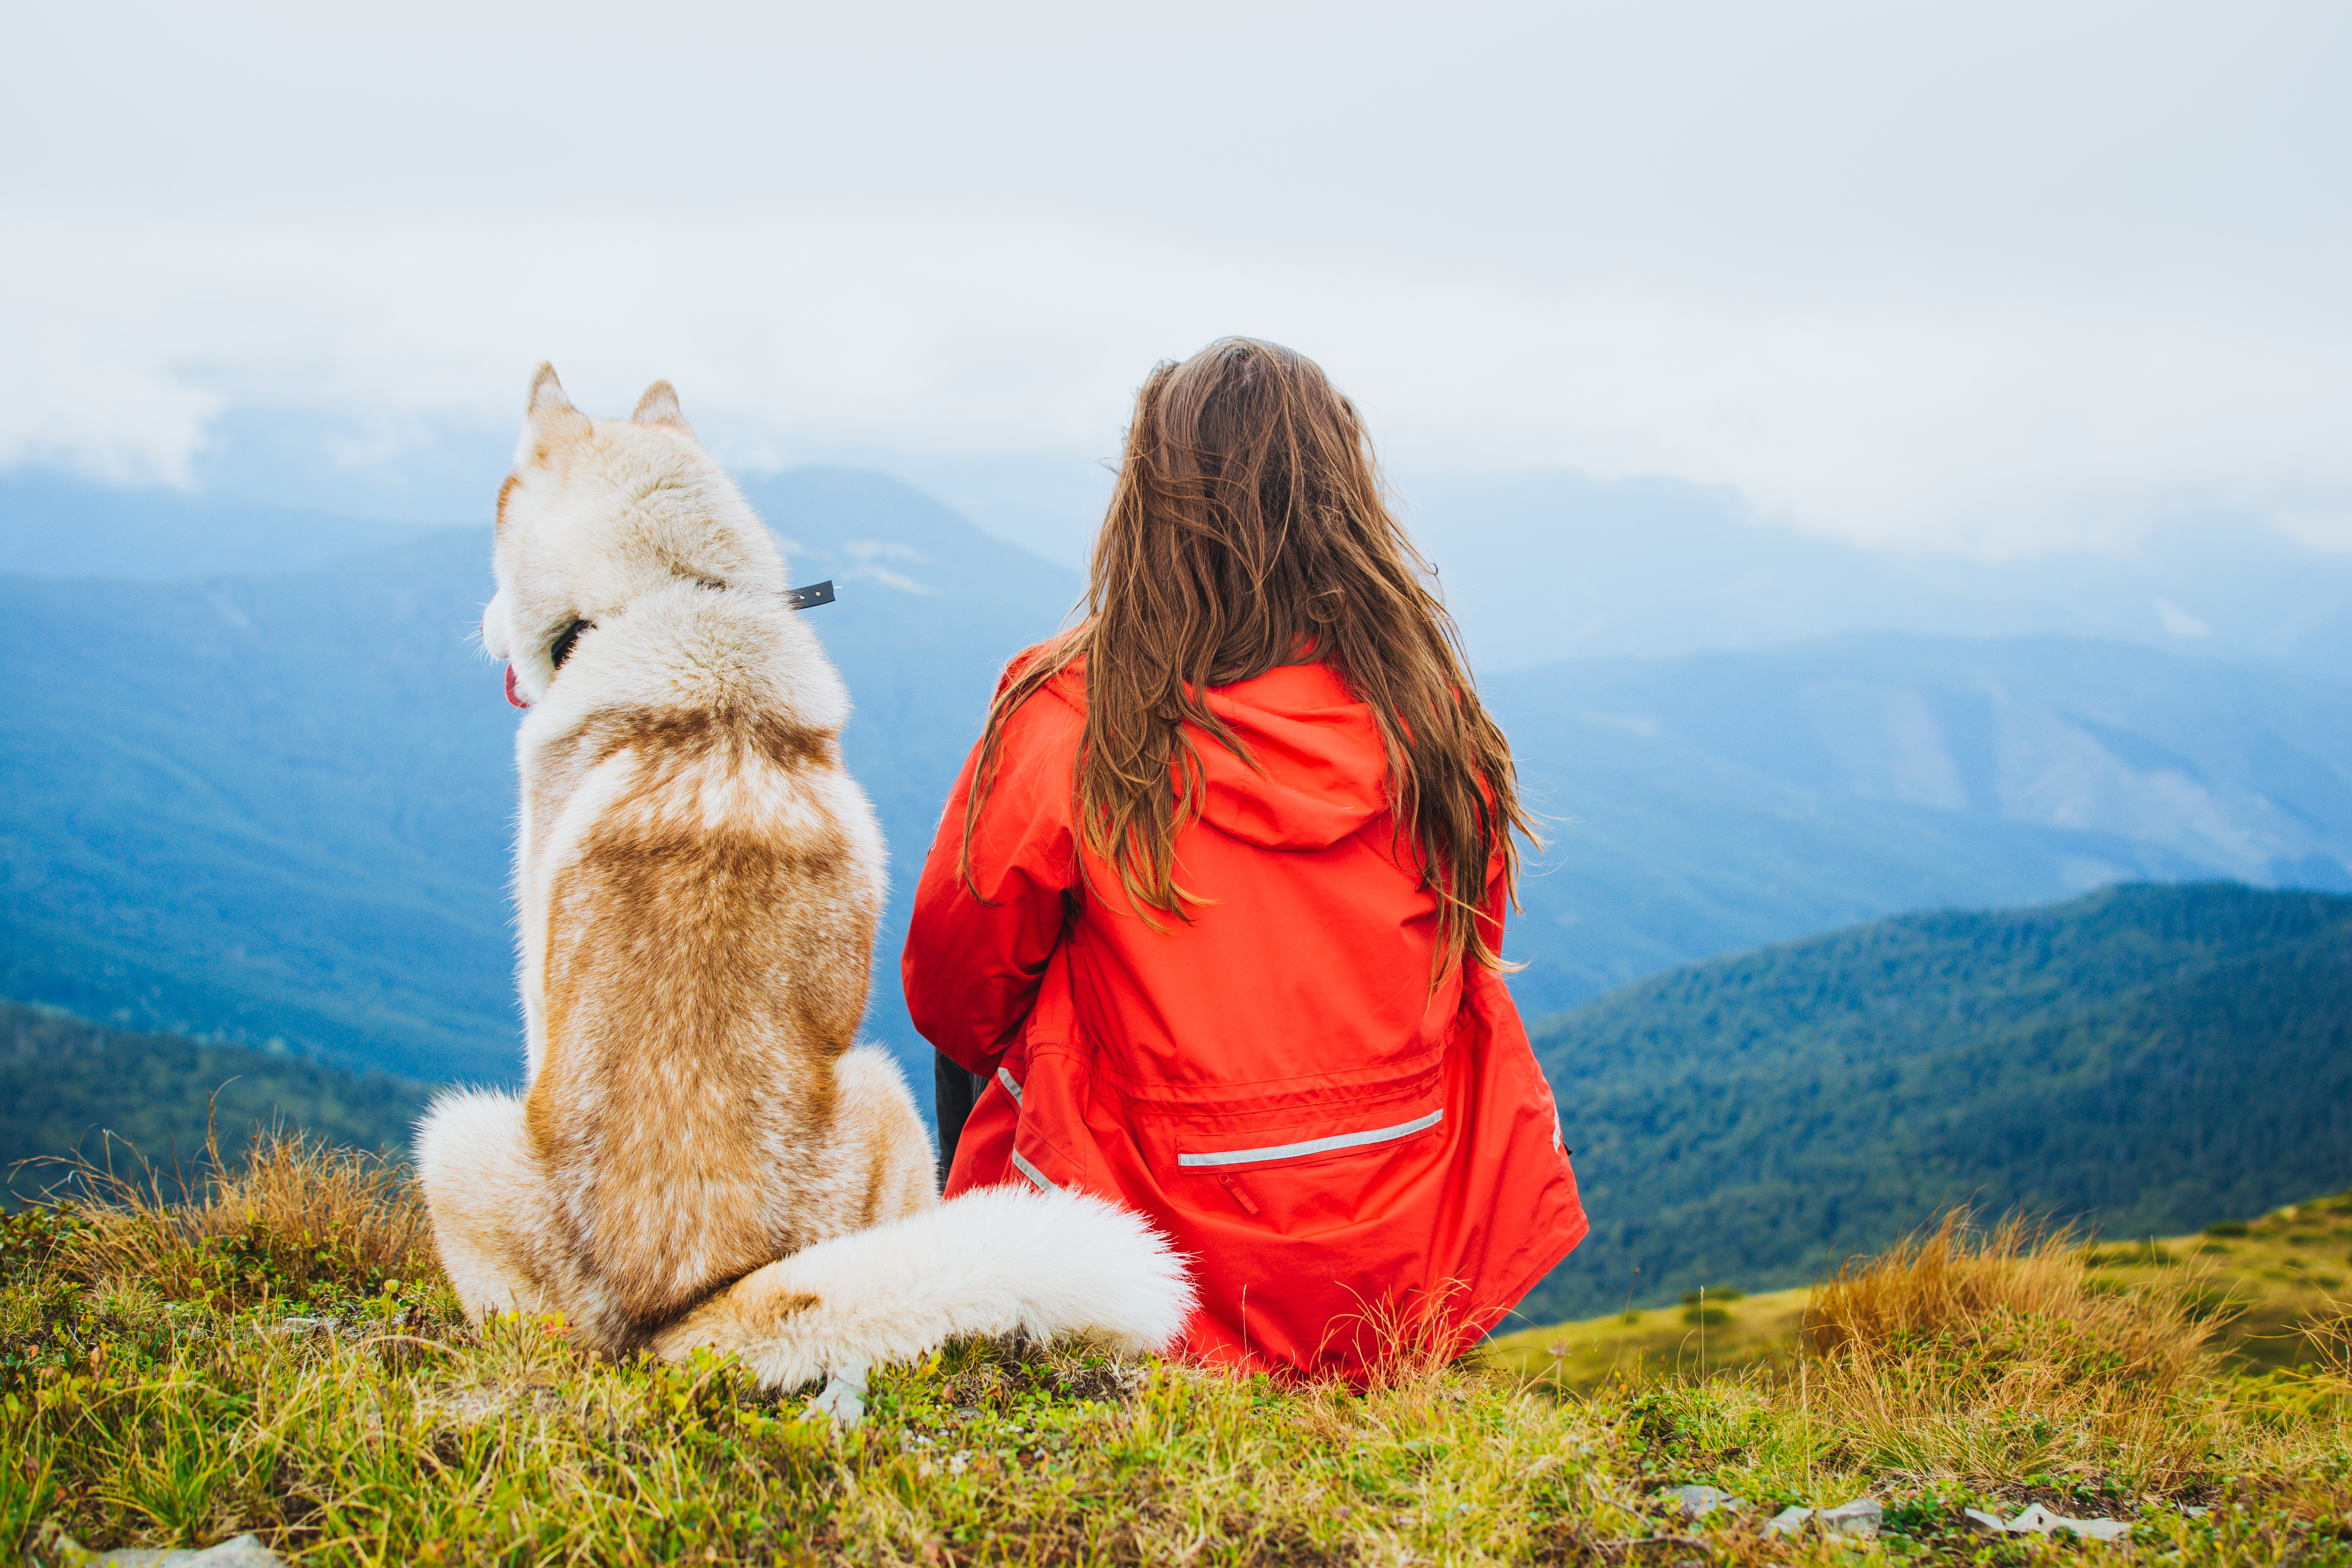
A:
x: 703, y: 1156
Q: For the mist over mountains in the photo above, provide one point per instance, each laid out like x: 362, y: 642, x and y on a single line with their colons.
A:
x: 1537, y: 565
x: 262, y: 782
x: 1547, y: 566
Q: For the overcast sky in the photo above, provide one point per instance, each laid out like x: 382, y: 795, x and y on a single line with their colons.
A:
x: 1983, y: 275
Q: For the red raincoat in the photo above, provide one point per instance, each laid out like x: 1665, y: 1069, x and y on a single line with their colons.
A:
x: 1338, y: 1149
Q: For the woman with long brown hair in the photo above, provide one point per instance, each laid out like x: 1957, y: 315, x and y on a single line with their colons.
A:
x: 1215, y: 912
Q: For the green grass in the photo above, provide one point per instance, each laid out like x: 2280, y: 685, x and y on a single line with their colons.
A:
x: 159, y: 1385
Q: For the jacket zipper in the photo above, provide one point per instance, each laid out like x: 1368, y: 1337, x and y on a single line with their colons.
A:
x: 1240, y: 1197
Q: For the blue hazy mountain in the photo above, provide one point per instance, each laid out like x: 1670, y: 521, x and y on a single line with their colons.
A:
x: 1538, y: 565
x: 56, y: 526
x: 1551, y: 564
x: 2146, y: 1060
x: 1712, y: 802
x: 279, y: 806
x: 1544, y: 566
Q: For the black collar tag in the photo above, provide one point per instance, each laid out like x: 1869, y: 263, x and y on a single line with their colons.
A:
x: 810, y: 598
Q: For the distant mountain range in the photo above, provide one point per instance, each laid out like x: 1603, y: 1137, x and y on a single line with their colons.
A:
x: 277, y: 803
x: 1714, y: 802
x: 279, y: 806
x: 1548, y: 565
x: 1538, y: 565
x: 2149, y: 1059
x: 52, y: 526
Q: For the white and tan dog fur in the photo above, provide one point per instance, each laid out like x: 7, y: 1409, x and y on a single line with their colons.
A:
x: 704, y: 1156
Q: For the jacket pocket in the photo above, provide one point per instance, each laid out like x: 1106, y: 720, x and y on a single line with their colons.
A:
x: 1305, y: 1163
x: 1215, y: 1150
x: 1050, y: 1144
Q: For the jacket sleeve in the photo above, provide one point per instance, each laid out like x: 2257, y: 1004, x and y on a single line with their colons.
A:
x: 974, y: 961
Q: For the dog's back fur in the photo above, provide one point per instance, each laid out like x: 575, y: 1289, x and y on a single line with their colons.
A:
x: 699, y: 882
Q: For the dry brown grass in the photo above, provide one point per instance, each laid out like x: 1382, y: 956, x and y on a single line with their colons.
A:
x: 2331, y: 1344
x: 1994, y: 1352
x: 1400, y: 1344
x: 292, y: 1216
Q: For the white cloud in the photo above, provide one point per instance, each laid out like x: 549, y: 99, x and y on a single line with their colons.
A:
x: 2179, y: 622
x: 1997, y: 279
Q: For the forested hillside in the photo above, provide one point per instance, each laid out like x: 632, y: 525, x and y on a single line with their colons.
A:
x: 2150, y: 1059
x: 65, y: 1083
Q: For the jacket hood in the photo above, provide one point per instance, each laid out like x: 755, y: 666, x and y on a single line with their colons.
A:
x: 1322, y: 773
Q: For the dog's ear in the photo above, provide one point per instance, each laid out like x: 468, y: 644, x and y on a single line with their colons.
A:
x: 659, y: 406
x: 549, y: 421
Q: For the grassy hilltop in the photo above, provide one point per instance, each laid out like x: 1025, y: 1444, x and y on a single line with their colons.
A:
x: 280, y: 1353
x: 283, y: 1357
x: 2264, y: 1292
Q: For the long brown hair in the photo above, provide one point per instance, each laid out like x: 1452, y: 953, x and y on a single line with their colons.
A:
x: 1249, y: 530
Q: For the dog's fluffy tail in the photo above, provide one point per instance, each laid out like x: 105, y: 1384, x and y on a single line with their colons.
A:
x: 998, y: 1261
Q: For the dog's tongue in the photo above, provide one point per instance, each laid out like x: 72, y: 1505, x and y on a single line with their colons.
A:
x: 512, y: 695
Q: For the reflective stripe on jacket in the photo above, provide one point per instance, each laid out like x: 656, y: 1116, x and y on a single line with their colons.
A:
x: 1347, y: 1154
